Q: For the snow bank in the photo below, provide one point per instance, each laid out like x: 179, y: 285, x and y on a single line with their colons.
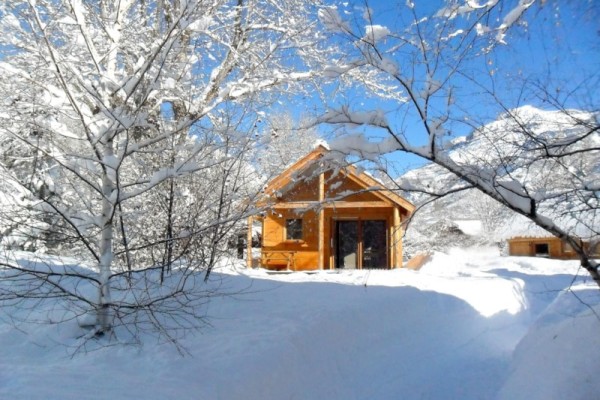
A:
x: 447, y: 331
x: 559, y: 358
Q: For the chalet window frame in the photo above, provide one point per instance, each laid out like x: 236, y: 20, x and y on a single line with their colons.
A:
x: 360, y: 249
x: 293, y: 233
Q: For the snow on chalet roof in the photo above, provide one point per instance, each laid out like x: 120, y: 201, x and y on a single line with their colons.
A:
x: 322, y: 143
x: 520, y: 226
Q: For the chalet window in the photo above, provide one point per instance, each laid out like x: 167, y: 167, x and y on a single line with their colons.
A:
x: 542, y: 250
x: 293, y: 229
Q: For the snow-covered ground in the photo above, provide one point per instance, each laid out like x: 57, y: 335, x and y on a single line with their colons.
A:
x: 469, y: 325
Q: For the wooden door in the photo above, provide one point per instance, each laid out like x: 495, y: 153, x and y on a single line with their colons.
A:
x: 374, y: 244
x: 361, y: 244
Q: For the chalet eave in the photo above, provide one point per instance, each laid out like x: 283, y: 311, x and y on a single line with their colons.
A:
x: 333, y: 204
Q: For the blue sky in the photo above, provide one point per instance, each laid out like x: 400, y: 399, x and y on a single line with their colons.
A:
x: 555, y: 46
x: 559, y: 48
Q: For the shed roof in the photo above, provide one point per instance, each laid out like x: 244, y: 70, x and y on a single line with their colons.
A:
x: 521, y: 227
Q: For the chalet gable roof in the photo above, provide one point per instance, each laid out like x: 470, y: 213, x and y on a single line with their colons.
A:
x: 308, y: 166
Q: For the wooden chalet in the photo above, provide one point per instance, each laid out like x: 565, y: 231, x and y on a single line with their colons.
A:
x: 322, y: 217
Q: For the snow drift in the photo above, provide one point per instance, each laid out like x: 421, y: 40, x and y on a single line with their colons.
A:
x: 447, y: 331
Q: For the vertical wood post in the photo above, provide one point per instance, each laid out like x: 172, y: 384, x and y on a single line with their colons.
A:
x: 321, y: 215
x: 249, y: 242
x: 397, y: 240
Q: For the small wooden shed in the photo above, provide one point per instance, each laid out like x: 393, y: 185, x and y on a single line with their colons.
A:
x: 527, y: 239
x: 541, y: 246
x: 546, y: 246
x: 319, y: 217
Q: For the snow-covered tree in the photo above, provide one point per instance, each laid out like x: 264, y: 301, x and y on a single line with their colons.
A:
x: 283, y: 142
x: 132, y: 122
x: 425, y: 75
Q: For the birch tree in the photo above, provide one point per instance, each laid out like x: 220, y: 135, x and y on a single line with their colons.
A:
x: 143, y: 112
x: 425, y: 74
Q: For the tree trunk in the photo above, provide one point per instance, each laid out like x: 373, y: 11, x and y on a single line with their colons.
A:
x: 168, y: 256
x: 106, y: 241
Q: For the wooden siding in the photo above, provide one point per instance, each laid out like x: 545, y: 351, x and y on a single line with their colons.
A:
x: 339, y: 184
x: 527, y: 247
x: 306, y: 251
x: 302, y: 191
x: 335, y: 188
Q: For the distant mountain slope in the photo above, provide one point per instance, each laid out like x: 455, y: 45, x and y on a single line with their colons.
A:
x: 520, y: 146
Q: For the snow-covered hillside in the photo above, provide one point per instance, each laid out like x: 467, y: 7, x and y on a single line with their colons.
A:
x: 469, y: 325
x: 514, y: 149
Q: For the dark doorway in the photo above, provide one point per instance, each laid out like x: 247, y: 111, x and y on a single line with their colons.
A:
x: 361, y: 244
x: 542, y: 250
